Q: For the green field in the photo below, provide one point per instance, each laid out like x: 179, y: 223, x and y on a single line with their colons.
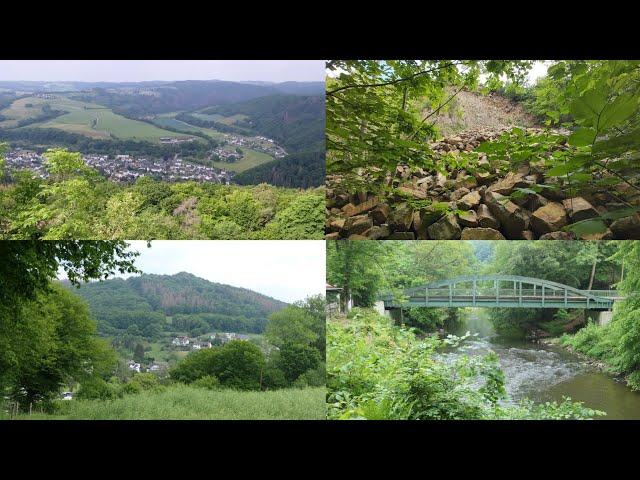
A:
x: 220, y: 118
x: 190, y: 403
x: 80, y: 119
x: 18, y: 110
x: 166, y: 121
x: 251, y: 159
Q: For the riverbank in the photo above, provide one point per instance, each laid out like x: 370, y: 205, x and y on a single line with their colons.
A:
x: 599, y: 365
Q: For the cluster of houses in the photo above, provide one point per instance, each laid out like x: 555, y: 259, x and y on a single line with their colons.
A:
x: 175, y: 140
x: 228, y: 336
x: 26, y: 159
x: 259, y: 143
x: 195, y: 344
x: 226, y: 155
x: 126, y: 168
x: 155, y: 367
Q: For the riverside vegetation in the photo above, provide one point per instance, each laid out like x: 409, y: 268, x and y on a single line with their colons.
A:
x: 562, y: 164
x: 48, y: 343
x: 380, y: 370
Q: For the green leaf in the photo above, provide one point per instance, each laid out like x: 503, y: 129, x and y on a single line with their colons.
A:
x: 587, y: 227
x: 618, y: 111
x: 559, y: 170
x: 620, y: 213
x: 582, y: 137
x: 588, y: 106
x: 581, y: 177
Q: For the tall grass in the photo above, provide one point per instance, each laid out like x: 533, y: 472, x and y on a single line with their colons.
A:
x: 190, y: 403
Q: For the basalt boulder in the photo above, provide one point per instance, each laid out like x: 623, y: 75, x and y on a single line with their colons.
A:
x: 550, y: 218
x: 511, y: 217
x: 481, y: 234
x: 446, y: 228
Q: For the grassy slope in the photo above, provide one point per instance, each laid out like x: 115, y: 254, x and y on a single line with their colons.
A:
x: 251, y: 159
x: 220, y: 118
x: 79, y: 120
x: 189, y: 403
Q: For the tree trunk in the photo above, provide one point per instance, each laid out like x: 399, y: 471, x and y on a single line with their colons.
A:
x: 593, y: 274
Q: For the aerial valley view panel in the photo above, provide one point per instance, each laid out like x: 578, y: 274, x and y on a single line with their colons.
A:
x: 235, y: 151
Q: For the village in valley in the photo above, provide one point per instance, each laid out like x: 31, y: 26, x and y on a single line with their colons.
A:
x: 185, y: 344
x: 127, y: 168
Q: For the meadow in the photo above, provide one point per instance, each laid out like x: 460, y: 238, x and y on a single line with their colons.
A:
x: 84, y: 118
x: 167, y: 120
x: 216, y: 117
x: 251, y: 158
x: 191, y: 403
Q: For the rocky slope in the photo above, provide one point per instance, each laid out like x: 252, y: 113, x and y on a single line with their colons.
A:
x: 470, y: 206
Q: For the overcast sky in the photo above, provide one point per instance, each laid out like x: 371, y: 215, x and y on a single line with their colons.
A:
x: 147, y: 70
x: 288, y: 270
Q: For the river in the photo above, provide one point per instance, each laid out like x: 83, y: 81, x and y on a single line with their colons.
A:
x: 548, y: 372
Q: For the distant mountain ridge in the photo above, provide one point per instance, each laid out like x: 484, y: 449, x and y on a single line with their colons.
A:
x: 149, y: 299
x: 290, y: 87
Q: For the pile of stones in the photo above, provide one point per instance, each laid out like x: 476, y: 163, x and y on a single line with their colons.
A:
x: 484, y: 210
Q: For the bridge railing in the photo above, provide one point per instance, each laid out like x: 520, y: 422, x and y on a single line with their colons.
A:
x: 492, y: 292
x: 605, y: 293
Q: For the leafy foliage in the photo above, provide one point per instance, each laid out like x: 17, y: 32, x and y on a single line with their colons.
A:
x: 302, y: 170
x: 571, y: 265
x: 50, y: 343
x: 76, y: 203
x: 380, y: 371
x: 192, y: 303
x: 618, y: 343
x: 373, y: 117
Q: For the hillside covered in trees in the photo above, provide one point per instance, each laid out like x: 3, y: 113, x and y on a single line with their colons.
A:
x: 147, y: 300
x: 299, y: 170
x: 76, y: 202
x: 297, y: 122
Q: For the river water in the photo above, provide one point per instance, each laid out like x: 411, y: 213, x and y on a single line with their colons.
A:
x: 546, y: 372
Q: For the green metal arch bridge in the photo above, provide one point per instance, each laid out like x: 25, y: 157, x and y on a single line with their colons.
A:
x: 503, y: 291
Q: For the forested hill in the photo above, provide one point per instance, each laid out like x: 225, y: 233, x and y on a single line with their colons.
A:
x: 295, y: 121
x: 300, y: 170
x: 188, y: 95
x: 146, y: 301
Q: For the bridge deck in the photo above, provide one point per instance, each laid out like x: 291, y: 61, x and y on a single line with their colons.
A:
x: 489, y: 291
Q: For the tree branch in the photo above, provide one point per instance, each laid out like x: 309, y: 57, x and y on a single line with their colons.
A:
x: 391, y: 82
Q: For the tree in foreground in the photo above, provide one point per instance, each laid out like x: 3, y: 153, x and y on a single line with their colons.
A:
x: 46, y: 334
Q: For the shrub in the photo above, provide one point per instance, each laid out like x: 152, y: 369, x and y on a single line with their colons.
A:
x: 95, y: 388
x: 209, y: 382
x: 316, y: 377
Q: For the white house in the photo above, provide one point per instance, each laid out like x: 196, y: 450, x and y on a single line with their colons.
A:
x: 134, y: 366
x: 200, y: 345
x: 181, y: 341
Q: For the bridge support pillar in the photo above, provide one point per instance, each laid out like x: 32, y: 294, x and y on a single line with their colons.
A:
x: 379, y: 307
x: 604, y: 318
